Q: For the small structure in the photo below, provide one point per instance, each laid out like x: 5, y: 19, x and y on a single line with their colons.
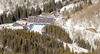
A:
x: 35, y: 23
x: 16, y: 24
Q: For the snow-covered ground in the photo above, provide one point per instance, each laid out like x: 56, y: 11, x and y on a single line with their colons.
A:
x: 35, y: 28
x: 89, y: 31
x: 67, y: 8
x: 73, y: 6
x: 57, y: 1
x: 9, y: 26
x: 38, y: 28
x: 73, y: 47
x: 1, y: 9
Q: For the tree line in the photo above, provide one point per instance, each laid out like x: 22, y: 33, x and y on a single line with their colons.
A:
x: 23, y: 12
x: 57, y: 32
x: 52, y: 6
x: 20, y: 12
x: 26, y: 42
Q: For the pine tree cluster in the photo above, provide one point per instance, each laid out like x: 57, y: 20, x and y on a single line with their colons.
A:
x: 20, y: 12
x: 52, y: 6
x: 25, y: 42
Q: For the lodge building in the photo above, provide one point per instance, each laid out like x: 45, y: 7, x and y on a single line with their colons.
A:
x: 41, y: 19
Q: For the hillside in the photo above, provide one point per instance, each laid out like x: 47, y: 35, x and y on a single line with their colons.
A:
x: 84, y: 25
x: 49, y: 26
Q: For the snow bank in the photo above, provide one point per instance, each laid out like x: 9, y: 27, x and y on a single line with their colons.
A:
x: 57, y: 1
x: 95, y: 1
x: 67, y: 8
x: 9, y: 26
x: 75, y: 48
x: 37, y: 28
x: 1, y: 9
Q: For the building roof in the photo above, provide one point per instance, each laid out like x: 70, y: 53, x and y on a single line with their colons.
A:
x: 40, y: 19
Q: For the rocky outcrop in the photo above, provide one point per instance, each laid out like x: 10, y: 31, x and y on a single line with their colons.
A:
x: 91, y: 29
x: 95, y: 1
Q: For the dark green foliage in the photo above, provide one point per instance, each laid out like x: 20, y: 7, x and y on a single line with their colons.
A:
x: 4, y: 17
x: 52, y: 6
x: 38, y: 11
x: 22, y: 41
x: 32, y: 11
x: 46, y: 8
x: 57, y: 32
x: 59, y: 5
x: 83, y: 44
x: 20, y: 12
x: 23, y: 12
x: 66, y: 2
x: 25, y: 42
x: 10, y: 16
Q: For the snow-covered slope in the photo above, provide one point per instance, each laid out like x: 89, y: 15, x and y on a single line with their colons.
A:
x: 75, y: 48
x: 73, y: 7
x: 67, y: 8
x: 85, y: 25
x: 10, y: 5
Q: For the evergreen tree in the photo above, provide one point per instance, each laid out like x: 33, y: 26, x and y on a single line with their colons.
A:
x: 52, y: 5
x: 10, y: 17
x: 89, y: 2
x: 4, y: 17
x: 16, y: 13
x: 38, y: 11
x: 0, y: 20
x: 27, y: 11
x: 46, y: 8
x: 32, y: 11
x: 59, y: 5
x: 66, y: 2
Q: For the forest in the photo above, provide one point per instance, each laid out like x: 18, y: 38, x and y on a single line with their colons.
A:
x: 26, y: 42
x: 23, y: 12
